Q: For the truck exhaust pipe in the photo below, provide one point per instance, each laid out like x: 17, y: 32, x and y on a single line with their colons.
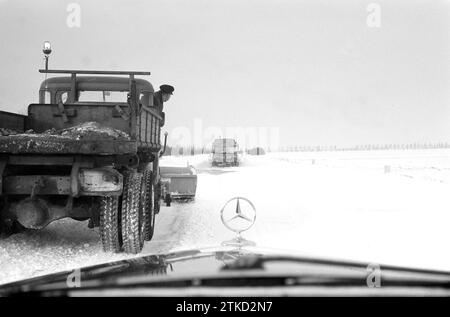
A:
x: 165, y: 144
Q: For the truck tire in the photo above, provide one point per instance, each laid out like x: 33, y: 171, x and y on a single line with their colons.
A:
x: 132, y: 218
x: 2, y: 206
x: 148, y: 205
x: 157, y: 198
x: 109, y: 224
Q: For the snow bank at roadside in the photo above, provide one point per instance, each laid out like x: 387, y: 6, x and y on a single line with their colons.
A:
x: 63, y: 245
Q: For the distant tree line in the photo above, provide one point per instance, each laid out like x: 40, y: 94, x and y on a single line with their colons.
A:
x: 186, y: 150
x: 192, y: 150
x: 367, y: 147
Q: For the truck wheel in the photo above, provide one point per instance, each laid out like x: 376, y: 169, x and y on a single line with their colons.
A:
x: 157, y: 198
x: 132, y: 218
x: 148, y: 205
x: 109, y: 224
x: 2, y: 207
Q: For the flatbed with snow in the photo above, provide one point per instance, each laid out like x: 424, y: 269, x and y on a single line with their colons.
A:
x: 48, y: 144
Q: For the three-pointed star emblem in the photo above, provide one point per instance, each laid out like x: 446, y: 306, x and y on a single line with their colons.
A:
x: 240, y: 216
x: 239, y: 213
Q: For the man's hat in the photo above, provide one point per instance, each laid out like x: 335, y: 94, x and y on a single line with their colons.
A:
x: 167, y: 89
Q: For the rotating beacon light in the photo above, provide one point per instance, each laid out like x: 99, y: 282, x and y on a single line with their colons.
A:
x: 47, y: 49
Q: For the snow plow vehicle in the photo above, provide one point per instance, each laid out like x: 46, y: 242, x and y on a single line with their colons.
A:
x: 178, y: 183
x: 225, y: 152
x: 89, y: 150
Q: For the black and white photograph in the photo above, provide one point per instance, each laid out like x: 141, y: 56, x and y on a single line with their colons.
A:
x: 245, y: 149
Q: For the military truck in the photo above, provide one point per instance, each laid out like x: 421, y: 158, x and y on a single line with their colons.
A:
x: 225, y: 152
x: 89, y: 150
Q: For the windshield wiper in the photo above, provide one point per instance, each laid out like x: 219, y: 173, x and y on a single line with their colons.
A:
x: 392, y: 275
x: 252, y: 261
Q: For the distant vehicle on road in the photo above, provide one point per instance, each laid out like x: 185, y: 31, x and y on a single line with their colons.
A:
x: 225, y: 152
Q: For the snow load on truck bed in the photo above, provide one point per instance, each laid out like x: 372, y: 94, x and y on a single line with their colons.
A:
x: 87, y: 130
x: 85, y: 138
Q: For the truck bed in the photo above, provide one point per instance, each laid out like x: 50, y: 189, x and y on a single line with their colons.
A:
x: 55, y: 144
x: 88, y: 138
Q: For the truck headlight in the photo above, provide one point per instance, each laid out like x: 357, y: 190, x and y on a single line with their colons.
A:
x: 100, y: 180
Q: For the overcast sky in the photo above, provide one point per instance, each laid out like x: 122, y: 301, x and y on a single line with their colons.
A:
x: 313, y: 69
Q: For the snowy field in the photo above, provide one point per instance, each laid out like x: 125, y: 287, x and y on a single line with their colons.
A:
x: 388, y: 207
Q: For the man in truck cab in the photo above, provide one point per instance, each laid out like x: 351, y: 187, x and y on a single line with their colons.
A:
x: 162, y: 95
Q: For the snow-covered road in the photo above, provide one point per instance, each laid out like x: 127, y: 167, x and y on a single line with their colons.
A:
x: 380, y: 206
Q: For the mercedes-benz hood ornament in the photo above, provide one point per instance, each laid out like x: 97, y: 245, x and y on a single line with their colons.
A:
x: 238, y: 214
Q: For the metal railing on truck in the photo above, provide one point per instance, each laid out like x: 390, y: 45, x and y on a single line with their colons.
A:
x: 144, y: 124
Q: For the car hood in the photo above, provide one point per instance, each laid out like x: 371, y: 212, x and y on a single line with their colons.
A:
x: 198, y: 264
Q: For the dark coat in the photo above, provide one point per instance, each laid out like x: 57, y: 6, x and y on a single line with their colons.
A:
x: 157, y: 101
x: 159, y: 105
